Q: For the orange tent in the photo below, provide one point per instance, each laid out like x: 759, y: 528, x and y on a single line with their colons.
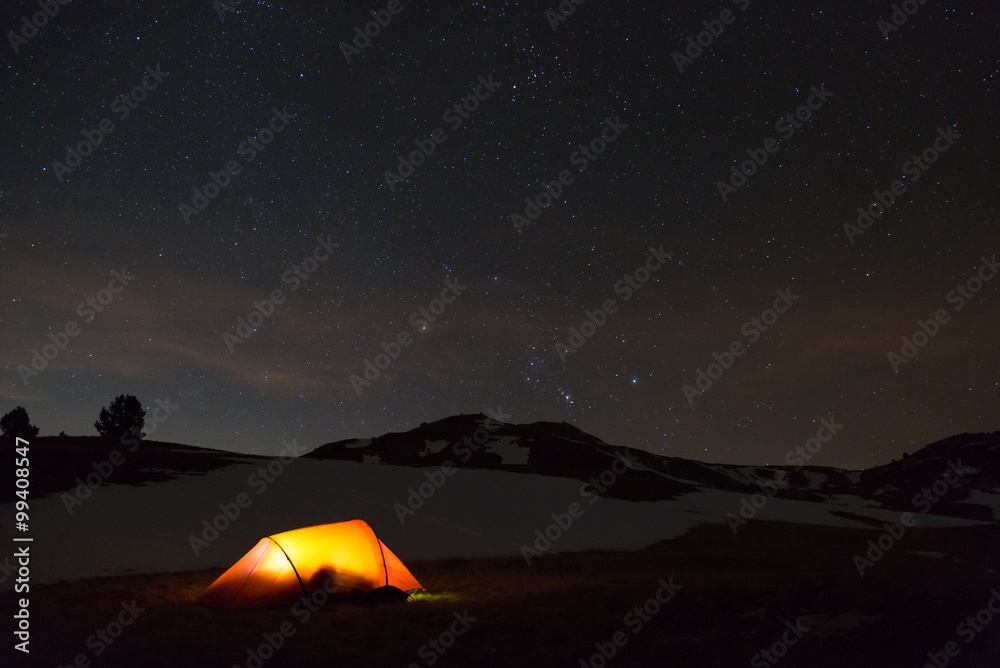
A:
x: 287, y: 566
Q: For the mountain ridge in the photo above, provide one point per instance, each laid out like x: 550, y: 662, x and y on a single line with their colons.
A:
x: 551, y: 448
x: 957, y: 476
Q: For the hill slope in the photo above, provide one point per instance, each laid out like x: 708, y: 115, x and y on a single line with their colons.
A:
x: 560, y: 449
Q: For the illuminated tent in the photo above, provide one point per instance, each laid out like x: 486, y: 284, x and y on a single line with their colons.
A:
x: 287, y: 566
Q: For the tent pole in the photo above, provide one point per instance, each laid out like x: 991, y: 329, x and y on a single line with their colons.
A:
x: 294, y: 570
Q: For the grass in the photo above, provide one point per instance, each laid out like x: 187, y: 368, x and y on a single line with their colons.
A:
x: 736, y: 592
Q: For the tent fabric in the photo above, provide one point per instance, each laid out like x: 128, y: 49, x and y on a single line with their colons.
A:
x: 286, y: 566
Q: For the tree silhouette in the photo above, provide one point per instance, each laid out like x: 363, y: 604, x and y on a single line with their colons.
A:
x: 124, y: 416
x: 16, y: 424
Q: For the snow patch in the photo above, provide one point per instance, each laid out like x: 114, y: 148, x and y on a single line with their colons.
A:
x: 363, y: 443
x: 852, y: 500
x: 816, y: 480
x: 511, y: 454
x: 745, y: 475
x: 477, y: 513
x: 825, y: 626
x: 433, y: 448
x: 489, y: 424
x: 933, y: 555
x: 371, y: 459
x: 749, y: 475
x: 671, y: 477
x: 987, y: 499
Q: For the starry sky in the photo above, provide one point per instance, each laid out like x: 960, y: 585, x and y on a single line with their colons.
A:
x: 223, y: 75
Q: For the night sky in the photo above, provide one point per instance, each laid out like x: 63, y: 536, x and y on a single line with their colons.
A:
x: 545, y: 98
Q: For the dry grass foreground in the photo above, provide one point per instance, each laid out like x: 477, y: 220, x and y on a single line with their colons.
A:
x: 736, y: 593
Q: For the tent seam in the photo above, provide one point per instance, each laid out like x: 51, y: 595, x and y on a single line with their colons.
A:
x: 385, y: 569
x: 292, y: 564
x: 247, y: 578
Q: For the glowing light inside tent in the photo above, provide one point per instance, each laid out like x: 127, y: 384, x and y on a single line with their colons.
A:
x: 285, y: 566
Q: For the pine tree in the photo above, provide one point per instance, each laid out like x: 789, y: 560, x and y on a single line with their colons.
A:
x: 17, y: 424
x: 124, y: 416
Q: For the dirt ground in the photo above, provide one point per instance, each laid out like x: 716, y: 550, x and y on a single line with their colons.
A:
x: 727, y: 598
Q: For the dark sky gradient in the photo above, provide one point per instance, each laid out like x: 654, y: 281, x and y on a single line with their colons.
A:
x: 323, y: 176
